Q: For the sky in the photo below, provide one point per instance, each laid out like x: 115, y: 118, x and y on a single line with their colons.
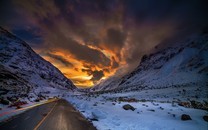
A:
x: 92, y: 40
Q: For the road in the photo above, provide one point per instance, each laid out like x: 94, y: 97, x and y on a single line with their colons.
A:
x: 57, y: 115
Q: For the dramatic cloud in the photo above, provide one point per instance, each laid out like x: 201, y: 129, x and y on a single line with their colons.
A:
x: 96, y: 75
x: 90, y: 40
x: 60, y: 59
x: 115, y: 38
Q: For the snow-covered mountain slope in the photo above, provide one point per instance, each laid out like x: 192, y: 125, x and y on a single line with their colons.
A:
x: 182, y: 64
x: 22, y: 70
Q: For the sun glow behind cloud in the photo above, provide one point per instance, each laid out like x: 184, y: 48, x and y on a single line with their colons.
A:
x: 74, y: 69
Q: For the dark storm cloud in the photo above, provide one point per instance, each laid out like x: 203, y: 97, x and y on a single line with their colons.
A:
x: 10, y: 18
x: 5, y: 12
x: 60, y: 59
x: 60, y: 24
x: 153, y: 11
x: 90, y: 55
x: 79, y: 51
x: 115, y: 38
x: 30, y: 35
x: 73, y: 11
x: 107, y: 34
x: 96, y: 75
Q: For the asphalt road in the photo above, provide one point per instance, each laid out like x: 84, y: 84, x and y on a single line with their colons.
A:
x: 57, y: 115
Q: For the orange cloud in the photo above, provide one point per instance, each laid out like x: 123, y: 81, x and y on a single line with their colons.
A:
x: 76, y: 71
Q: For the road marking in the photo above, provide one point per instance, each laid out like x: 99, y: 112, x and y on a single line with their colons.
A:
x: 44, y: 117
x: 27, y: 118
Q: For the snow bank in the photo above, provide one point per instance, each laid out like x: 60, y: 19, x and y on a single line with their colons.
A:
x: 156, y: 115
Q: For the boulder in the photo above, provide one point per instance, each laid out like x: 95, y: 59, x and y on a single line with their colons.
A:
x: 94, y: 119
x: 185, y: 117
x: 205, y: 118
x: 151, y: 110
x: 128, y: 107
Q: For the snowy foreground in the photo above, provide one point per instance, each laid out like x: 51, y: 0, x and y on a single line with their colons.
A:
x: 162, y: 113
x: 155, y: 109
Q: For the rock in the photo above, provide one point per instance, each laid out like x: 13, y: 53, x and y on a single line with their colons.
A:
x: 4, y: 102
x: 128, y: 107
x: 196, y: 104
x: 169, y: 113
x: 161, y: 108
x: 37, y: 100
x: 94, y: 119
x: 185, y: 117
x: 205, y: 118
x: 151, y: 110
x: 12, y: 99
x: 123, y: 99
x: 18, y: 107
x: 184, y: 104
x: 98, y: 114
x: 18, y: 103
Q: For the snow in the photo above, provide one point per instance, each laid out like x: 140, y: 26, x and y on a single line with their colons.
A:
x: 155, y: 113
x: 98, y: 114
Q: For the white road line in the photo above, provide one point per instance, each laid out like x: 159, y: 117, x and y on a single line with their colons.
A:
x: 27, y: 117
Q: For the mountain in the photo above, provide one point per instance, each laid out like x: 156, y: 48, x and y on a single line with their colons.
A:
x: 182, y: 64
x: 24, y: 71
